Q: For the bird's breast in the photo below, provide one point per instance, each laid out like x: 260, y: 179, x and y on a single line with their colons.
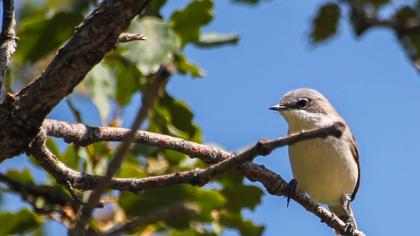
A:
x: 324, y: 168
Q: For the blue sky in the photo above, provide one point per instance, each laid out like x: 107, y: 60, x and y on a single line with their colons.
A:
x: 368, y: 80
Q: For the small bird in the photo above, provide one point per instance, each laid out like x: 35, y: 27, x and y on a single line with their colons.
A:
x: 327, y: 169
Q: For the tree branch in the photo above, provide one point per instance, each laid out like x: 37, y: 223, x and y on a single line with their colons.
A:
x: 114, y: 165
x: 150, y: 218
x: 362, y: 21
x: 24, y: 112
x: 274, y: 184
x: 7, y: 38
x: 128, y: 37
x: 26, y: 190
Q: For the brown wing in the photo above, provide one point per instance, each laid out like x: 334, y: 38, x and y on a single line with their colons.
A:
x: 355, y: 152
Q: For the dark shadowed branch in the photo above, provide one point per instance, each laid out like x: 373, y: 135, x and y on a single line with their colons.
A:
x: 363, y: 20
x: 7, y: 38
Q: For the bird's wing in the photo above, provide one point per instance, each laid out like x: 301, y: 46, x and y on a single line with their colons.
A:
x: 355, y: 152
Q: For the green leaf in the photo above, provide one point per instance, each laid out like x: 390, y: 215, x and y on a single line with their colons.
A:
x: 24, y: 176
x: 127, y: 83
x: 236, y: 221
x: 230, y: 178
x: 152, y: 199
x: 187, y: 68
x: 18, y: 222
x: 191, y: 232
x: 100, y: 83
x: 325, y: 23
x: 39, y: 36
x: 132, y: 169
x: 174, y: 117
x: 70, y: 157
x: 374, y: 3
x: 158, y: 49
x: 404, y: 14
x: 153, y: 8
x: 52, y: 146
x: 187, y: 21
x: 248, y: 2
x: 209, y: 40
x: 242, y: 196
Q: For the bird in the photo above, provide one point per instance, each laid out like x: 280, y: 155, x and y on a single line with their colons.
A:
x: 327, y: 169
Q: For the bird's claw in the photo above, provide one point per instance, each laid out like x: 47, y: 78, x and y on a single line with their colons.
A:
x: 291, y: 190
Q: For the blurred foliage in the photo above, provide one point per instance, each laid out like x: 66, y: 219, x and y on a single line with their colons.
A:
x: 325, y: 22
x: 43, y: 27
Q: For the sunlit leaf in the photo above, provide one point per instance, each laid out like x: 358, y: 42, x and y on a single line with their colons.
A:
x: 187, y: 21
x: 242, y: 196
x: 174, y: 117
x: 152, y: 199
x: 236, y: 221
x: 18, y: 222
x: 39, y: 36
x: 100, y: 83
x: 186, y: 67
x: 158, y: 49
x: 70, y: 157
x: 23, y: 176
x: 132, y: 169
x: 127, y: 84
x: 216, y: 39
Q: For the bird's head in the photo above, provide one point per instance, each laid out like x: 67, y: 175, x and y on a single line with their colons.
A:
x: 306, y: 108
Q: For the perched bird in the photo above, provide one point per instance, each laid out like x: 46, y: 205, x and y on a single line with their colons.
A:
x: 327, y: 169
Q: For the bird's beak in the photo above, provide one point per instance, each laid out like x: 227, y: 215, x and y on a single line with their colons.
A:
x: 278, y: 107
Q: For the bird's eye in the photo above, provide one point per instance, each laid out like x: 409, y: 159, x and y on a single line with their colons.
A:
x: 302, y: 103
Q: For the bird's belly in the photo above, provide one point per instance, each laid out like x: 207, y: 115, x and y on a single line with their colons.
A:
x: 324, y: 168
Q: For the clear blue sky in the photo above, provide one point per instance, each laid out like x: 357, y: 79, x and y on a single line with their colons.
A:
x: 368, y: 80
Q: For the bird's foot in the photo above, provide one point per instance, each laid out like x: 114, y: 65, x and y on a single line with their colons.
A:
x: 291, y: 190
x: 349, y: 228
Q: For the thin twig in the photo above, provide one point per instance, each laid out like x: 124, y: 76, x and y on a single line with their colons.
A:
x: 7, y: 38
x: 114, y: 165
x: 26, y: 190
x: 128, y: 37
x: 362, y: 21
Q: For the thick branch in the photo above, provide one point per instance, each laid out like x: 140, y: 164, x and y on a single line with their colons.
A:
x: 83, y: 135
x: 274, y: 184
x: 7, y: 38
x: 24, y: 112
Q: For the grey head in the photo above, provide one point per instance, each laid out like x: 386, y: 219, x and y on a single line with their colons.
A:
x: 306, y: 99
x: 306, y: 108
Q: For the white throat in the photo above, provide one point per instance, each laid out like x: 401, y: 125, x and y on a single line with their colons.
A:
x: 299, y: 120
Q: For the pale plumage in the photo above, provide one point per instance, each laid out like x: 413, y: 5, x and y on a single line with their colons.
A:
x: 325, y: 168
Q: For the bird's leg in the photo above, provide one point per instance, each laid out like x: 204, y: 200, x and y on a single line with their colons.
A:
x: 291, y: 190
x: 350, y: 222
